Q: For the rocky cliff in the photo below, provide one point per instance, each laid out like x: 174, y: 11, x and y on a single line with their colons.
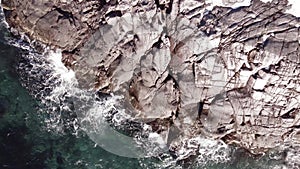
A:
x: 227, y: 71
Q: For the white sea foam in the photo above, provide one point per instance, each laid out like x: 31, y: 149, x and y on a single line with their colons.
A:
x: 207, y: 150
x: 65, y: 78
x: 66, y: 75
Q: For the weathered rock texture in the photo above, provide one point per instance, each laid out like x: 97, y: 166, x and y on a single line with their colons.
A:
x: 230, y: 74
x: 62, y: 23
x: 260, y: 49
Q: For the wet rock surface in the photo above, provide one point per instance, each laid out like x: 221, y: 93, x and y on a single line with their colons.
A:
x: 225, y: 73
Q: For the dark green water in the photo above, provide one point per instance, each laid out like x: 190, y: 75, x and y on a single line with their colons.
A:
x: 25, y: 141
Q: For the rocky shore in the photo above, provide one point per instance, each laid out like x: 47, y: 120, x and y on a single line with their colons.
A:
x: 227, y: 71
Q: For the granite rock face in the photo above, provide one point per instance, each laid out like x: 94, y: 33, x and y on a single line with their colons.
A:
x: 225, y: 73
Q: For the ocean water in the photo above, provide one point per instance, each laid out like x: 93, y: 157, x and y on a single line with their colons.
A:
x: 25, y: 138
x: 41, y: 129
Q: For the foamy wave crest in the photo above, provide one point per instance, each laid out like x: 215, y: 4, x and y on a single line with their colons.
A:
x: 48, y: 80
x: 69, y: 107
x: 62, y: 84
x: 202, y: 150
x: 212, y: 151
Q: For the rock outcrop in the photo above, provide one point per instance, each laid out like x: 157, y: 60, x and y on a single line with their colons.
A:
x: 226, y: 73
x: 61, y: 23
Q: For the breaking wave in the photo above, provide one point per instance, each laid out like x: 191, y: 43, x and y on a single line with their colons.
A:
x: 68, y: 107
